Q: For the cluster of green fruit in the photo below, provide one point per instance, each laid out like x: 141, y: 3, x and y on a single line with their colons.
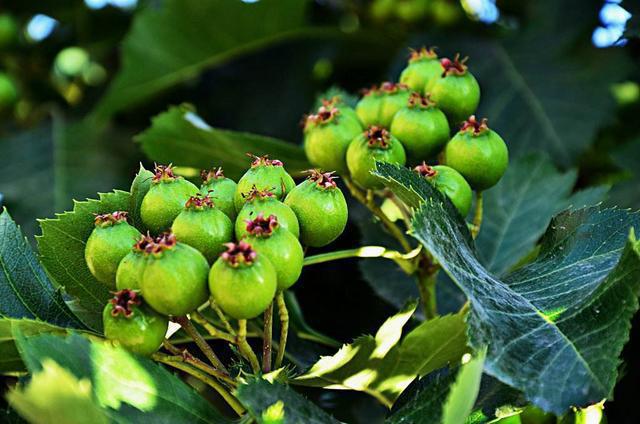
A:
x: 200, y: 254
x: 411, y: 121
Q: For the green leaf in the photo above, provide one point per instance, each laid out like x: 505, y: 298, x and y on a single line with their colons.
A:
x: 464, y: 391
x: 55, y: 395
x: 382, y: 366
x: 181, y: 137
x: 556, y: 327
x: 10, y: 360
x: 25, y: 289
x: 259, y: 395
x: 175, y: 42
x: 139, y: 187
x: 62, y: 246
x: 625, y: 193
x: 129, y: 389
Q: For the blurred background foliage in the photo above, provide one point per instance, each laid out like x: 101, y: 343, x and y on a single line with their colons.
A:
x: 79, y: 79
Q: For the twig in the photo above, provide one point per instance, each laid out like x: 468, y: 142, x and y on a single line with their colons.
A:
x: 284, y: 328
x: 202, y: 344
x: 266, y: 339
x: 244, y: 347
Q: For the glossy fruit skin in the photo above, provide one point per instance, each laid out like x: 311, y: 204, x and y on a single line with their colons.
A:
x: 174, y: 281
x: 322, y: 212
x: 164, y: 201
x: 391, y: 104
x: 206, y: 230
x: 106, y: 247
x: 456, y: 95
x: 361, y: 159
x: 420, y: 72
x: 482, y: 159
x: 268, y: 206
x: 453, y: 185
x: 422, y: 131
x: 368, y: 108
x: 263, y: 177
x: 243, y: 292
x: 142, y: 333
x: 223, y: 192
x: 326, y: 142
x: 284, y: 252
x: 8, y: 92
x: 130, y: 269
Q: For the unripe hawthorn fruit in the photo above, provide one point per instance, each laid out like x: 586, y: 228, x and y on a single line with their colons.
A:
x: 203, y: 226
x: 423, y: 67
x: 165, y: 199
x: 132, y: 324
x: 281, y: 247
x: 327, y: 135
x: 266, y: 202
x: 221, y: 189
x: 421, y: 127
x: 320, y: 207
x: 131, y: 267
x: 375, y: 144
x: 456, y: 91
x: 478, y: 153
x: 109, y: 242
x: 378, y: 106
x: 242, y: 281
x: 368, y: 108
x: 449, y: 182
x: 174, y: 282
x: 265, y: 174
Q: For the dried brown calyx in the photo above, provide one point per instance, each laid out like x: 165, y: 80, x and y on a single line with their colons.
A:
x: 240, y: 253
x: 257, y: 194
x: 422, y: 53
x: 323, y: 116
x: 263, y: 161
x: 323, y: 180
x: 165, y: 241
x: 475, y: 127
x: 392, y: 87
x: 425, y: 170
x: 261, y: 226
x: 420, y: 101
x: 211, y: 174
x: 455, y: 66
x: 109, y: 219
x: 163, y: 173
x: 199, y: 202
x: 124, y: 301
x: 377, y: 137
x: 143, y: 243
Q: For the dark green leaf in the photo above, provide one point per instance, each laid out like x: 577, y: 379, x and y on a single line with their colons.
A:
x: 174, y: 43
x: 383, y: 366
x: 626, y: 193
x: 555, y: 328
x: 62, y: 246
x: 130, y: 389
x: 25, y: 289
x: 181, y: 137
x: 258, y: 395
x: 139, y: 187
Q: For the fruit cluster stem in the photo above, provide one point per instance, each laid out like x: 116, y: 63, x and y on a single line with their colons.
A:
x: 202, y: 344
x: 283, y: 313
x: 267, y: 339
x: 223, y: 318
x: 211, y: 329
x: 477, y: 216
x: 244, y: 347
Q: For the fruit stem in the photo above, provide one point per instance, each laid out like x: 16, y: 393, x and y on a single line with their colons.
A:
x: 223, y: 318
x: 477, y: 216
x: 244, y: 347
x: 211, y: 329
x: 266, y: 339
x: 283, y: 313
x: 178, y: 363
x: 375, y: 209
x: 185, y: 356
x: 191, y: 330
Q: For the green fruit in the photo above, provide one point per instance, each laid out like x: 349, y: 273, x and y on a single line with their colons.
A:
x: 478, y: 153
x: 165, y: 199
x: 266, y: 203
x: 456, y: 91
x: 376, y: 144
x: 221, y: 189
x: 203, y: 226
x: 327, y: 135
x: 320, y: 207
x: 450, y: 183
x: 109, y: 242
x: 8, y: 92
x: 131, y: 267
x: 423, y: 67
x: 368, y: 108
x: 421, y: 127
x: 133, y: 324
x: 174, y: 281
x: 8, y: 30
x: 279, y: 245
x: 264, y: 174
x: 242, y: 281
x: 394, y: 98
